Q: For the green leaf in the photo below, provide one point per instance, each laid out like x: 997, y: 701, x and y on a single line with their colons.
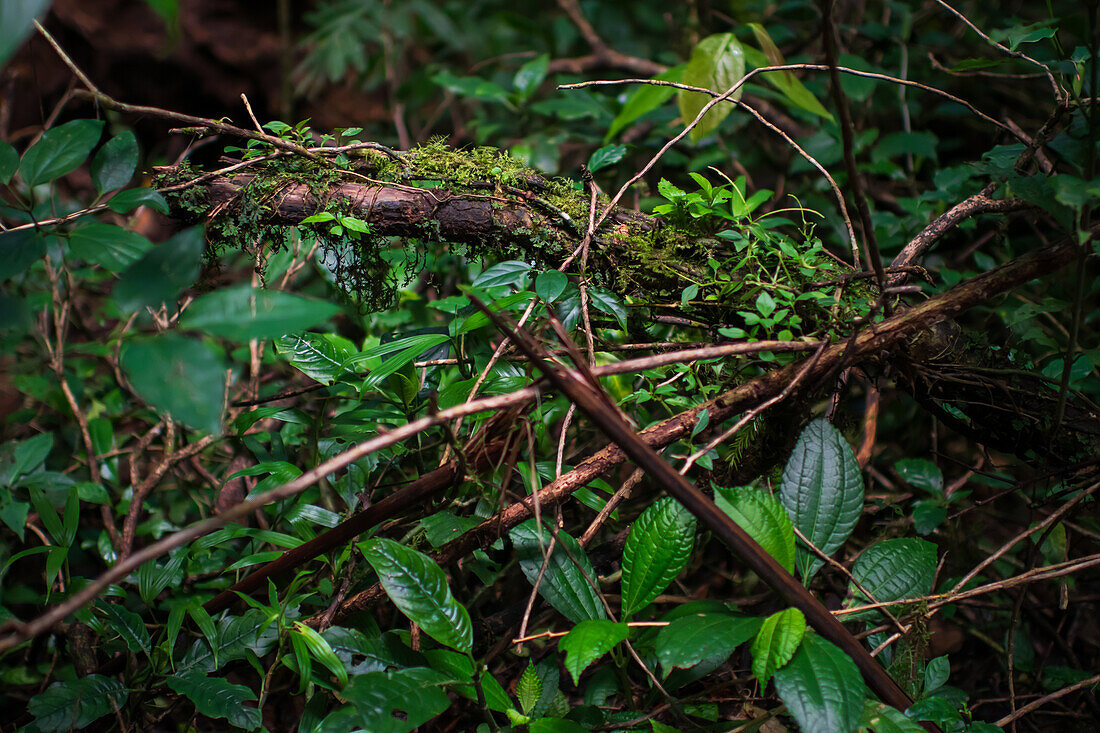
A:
x: 66, y: 706
x: 717, y: 63
x: 776, y: 642
x: 236, y: 637
x: 128, y: 625
x: 550, y: 285
x: 179, y: 376
x: 658, y: 548
x: 243, y: 313
x: 114, y: 165
x: 14, y: 514
x: 512, y: 272
x: 16, y: 21
x: 885, y: 719
x: 688, y: 640
x: 606, y: 156
x: 528, y: 689
x: 927, y: 515
x: 893, y: 569
x: 9, y: 161
x: 936, y: 674
x: 29, y: 455
x: 60, y: 151
x: 609, y: 303
x: 920, y: 473
x: 108, y: 245
x: 555, y: 725
x: 530, y: 76
x: 418, y: 587
x: 126, y: 201
x: 587, y: 642
x: 822, y: 490
x: 821, y: 688
x: 644, y: 100
x: 19, y: 250
x: 784, y: 81
x: 563, y: 585
x: 391, y: 702
x: 320, y: 650
x: 319, y: 356
x: 162, y: 272
x: 216, y: 697
x: 763, y: 517
x: 473, y: 87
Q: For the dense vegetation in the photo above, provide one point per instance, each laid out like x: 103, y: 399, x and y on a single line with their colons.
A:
x: 548, y: 398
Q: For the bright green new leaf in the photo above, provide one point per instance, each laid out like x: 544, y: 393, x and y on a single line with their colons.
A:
x: 885, y: 719
x: 717, y: 63
x: 606, y: 156
x: 61, y: 150
x: 822, y: 688
x: 587, y: 642
x: 688, y: 640
x: 162, y: 272
x: 550, y: 285
x: 108, y: 245
x: 528, y: 689
x: 784, y: 81
x: 658, y: 548
x: 418, y: 587
x: 563, y: 584
x: 242, y: 313
x: 67, y: 706
x: 320, y: 650
x: 512, y: 272
x: 530, y: 76
x: 180, y: 376
x: 776, y: 642
x: 114, y: 165
x: 822, y: 491
x: 763, y: 517
x: 893, y: 569
x: 216, y: 697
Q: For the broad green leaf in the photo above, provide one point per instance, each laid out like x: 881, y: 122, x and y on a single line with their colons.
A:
x: 550, y: 285
x: 418, y: 587
x: 936, y: 674
x: 606, y: 156
x: 821, y: 688
x: 237, y: 635
x: 512, y: 272
x: 644, y: 100
x: 609, y: 303
x: 776, y: 642
x: 320, y: 356
x: 658, y: 548
x: 530, y: 76
x: 885, y: 719
x: 114, y: 165
x: 61, y: 150
x: 461, y: 667
x: 822, y: 491
x: 19, y: 250
x: 216, y: 697
x: 391, y: 702
x: 162, y: 272
x: 563, y: 585
x: 555, y: 725
x: 921, y: 473
x: 66, y: 706
x: 29, y: 455
x: 473, y: 87
x: 893, y: 569
x: 126, y: 201
x: 179, y: 376
x: 784, y: 81
x: 688, y: 640
x: 588, y: 641
x: 14, y: 514
x: 128, y: 625
x: 717, y: 63
x: 763, y: 517
x: 9, y: 160
x: 108, y: 245
x: 16, y: 22
x: 242, y: 313
x: 927, y: 515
